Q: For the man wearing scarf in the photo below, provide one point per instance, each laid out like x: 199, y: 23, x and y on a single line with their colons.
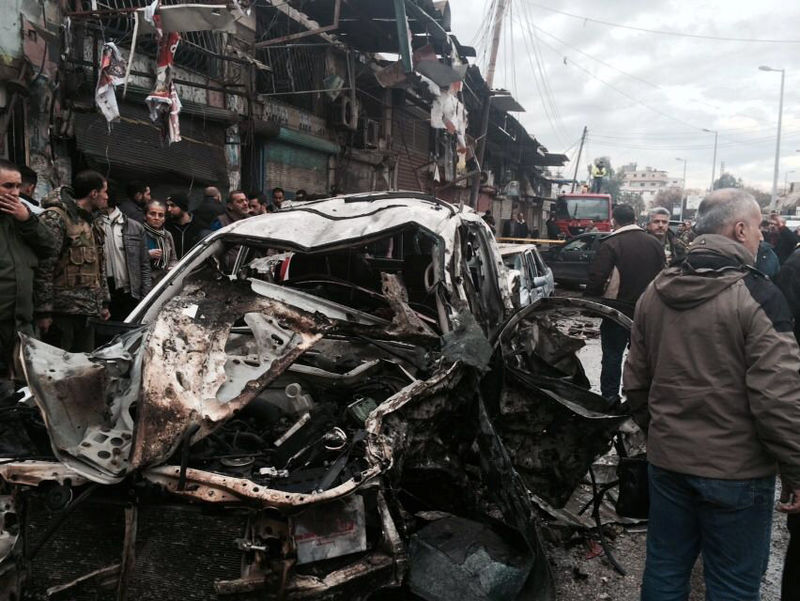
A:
x: 160, y: 244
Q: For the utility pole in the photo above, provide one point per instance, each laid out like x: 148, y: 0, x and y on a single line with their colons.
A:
x: 578, y: 160
x: 774, y: 202
x: 479, y: 151
x: 713, y: 162
x: 498, y: 28
x: 683, y: 187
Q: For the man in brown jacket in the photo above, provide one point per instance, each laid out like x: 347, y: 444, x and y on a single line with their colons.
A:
x: 713, y: 376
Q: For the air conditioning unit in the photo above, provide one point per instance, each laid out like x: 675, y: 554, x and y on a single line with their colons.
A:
x: 348, y: 113
x: 371, y: 130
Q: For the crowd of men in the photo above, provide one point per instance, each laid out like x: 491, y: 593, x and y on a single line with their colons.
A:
x: 80, y: 256
x: 712, y: 377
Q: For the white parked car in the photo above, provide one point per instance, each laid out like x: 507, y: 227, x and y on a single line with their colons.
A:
x: 530, y: 278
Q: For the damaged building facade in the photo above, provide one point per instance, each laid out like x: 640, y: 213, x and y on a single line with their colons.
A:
x: 332, y: 96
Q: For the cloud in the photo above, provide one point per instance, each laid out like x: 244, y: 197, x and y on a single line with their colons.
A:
x: 688, y: 84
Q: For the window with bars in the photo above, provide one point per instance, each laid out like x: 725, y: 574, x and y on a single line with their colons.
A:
x: 199, y: 51
x: 297, y: 70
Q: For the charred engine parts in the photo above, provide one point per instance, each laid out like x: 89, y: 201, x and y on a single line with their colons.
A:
x: 305, y: 432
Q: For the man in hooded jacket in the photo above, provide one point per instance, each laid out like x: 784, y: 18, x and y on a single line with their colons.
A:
x: 713, y: 377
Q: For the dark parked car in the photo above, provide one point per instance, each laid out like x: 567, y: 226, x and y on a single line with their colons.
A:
x: 570, y: 262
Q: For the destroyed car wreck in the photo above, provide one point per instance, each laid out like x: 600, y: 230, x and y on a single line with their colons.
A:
x: 329, y: 402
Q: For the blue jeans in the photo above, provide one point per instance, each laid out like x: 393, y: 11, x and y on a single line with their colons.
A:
x: 729, y: 521
x: 790, y: 590
x: 613, y: 340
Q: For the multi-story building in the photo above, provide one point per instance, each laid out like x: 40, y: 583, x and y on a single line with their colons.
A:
x: 648, y: 181
x: 291, y: 94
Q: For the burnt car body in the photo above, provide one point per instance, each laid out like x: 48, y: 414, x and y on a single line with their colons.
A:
x: 289, y: 412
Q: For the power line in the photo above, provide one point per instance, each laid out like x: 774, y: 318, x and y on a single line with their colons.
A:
x: 670, y: 148
x: 618, y: 70
x: 663, y: 32
x: 482, y: 35
x: 731, y: 141
x: 594, y: 58
x: 544, y: 74
x: 622, y: 92
x: 543, y: 86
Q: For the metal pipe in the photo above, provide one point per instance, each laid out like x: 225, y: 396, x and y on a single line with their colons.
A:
x: 182, y: 82
x: 337, y: 8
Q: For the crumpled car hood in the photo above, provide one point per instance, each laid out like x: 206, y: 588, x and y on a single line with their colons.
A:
x: 88, y: 400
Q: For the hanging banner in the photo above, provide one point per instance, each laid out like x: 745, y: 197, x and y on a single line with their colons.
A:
x: 112, y: 73
x: 163, y: 101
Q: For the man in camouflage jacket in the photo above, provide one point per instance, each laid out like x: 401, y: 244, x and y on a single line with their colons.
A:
x: 75, y: 280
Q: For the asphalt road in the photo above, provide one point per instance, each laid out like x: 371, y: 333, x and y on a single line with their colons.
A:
x: 580, y: 575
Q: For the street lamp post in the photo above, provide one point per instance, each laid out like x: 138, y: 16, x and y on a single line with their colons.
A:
x: 714, y: 162
x: 683, y: 186
x: 774, y: 202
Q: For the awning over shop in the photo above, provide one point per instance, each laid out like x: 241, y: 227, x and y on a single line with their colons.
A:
x: 505, y: 102
x: 550, y: 159
x: 369, y: 25
x: 132, y: 148
x: 298, y: 138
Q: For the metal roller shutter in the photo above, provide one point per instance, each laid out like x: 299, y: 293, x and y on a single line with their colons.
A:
x: 411, y: 134
x: 132, y: 148
x: 296, y: 160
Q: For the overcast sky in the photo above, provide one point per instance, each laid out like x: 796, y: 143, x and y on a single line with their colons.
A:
x: 657, y: 92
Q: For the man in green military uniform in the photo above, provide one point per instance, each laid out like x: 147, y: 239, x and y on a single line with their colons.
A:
x: 75, y: 280
x: 24, y: 241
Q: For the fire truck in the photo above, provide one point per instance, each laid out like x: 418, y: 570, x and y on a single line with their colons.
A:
x: 579, y: 213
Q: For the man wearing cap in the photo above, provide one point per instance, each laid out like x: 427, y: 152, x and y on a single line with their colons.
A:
x: 185, y: 229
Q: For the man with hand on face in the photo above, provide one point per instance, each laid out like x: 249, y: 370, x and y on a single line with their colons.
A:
x: 75, y: 285
x: 185, y: 230
x: 237, y: 209
x: 658, y: 226
x: 24, y: 241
